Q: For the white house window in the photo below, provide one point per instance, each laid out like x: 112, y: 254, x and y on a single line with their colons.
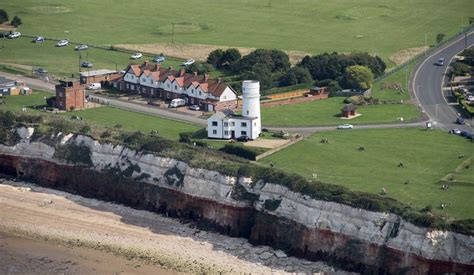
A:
x: 243, y: 133
x: 243, y: 124
x: 168, y: 85
x: 225, y: 97
x: 151, y: 81
x: 214, y: 132
x: 200, y: 93
x: 226, y: 133
x: 232, y: 123
x: 247, y: 112
x: 175, y: 87
x: 226, y: 124
x: 214, y: 123
x: 255, y: 123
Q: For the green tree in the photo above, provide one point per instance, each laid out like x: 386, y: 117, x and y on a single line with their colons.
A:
x: 440, y: 37
x: 460, y: 69
x: 3, y: 16
x: 296, y: 75
x: 16, y: 21
x: 230, y: 57
x: 215, y: 57
x: 261, y: 73
x: 358, y: 77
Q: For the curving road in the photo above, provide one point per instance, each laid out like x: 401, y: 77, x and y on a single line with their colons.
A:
x: 427, y: 82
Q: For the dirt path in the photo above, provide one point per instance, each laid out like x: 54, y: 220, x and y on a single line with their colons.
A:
x: 43, y: 213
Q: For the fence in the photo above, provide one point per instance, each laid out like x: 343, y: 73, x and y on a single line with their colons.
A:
x: 419, y: 56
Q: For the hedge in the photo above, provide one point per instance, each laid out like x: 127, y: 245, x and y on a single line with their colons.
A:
x: 244, y: 152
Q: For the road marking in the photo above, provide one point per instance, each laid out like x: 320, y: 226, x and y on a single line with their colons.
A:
x: 415, y: 92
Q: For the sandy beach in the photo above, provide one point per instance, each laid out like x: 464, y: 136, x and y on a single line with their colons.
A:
x: 71, y: 227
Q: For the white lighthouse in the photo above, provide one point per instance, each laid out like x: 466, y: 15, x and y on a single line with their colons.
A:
x: 227, y: 125
x: 251, y: 104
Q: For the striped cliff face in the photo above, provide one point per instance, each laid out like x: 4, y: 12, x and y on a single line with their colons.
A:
x: 265, y: 213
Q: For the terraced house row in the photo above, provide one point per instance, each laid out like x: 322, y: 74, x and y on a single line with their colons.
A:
x: 155, y: 81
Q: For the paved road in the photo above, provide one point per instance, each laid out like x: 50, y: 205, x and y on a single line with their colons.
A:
x: 427, y: 85
x: 118, y: 103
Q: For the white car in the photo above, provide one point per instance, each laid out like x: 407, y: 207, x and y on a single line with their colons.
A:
x: 188, y: 62
x: 14, y: 35
x: 136, y: 56
x: 62, y: 43
x: 93, y: 86
x: 345, y: 126
x: 455, y: 131
x: 81, y: 47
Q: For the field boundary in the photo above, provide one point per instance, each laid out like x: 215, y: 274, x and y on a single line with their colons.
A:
x: 274, y: 150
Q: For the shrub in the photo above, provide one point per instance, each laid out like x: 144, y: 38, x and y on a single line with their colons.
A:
x: 3, y: 16
x: 78, y: 154
x: 241, y: 151
x: 185, y: 137
x: 16, y: 21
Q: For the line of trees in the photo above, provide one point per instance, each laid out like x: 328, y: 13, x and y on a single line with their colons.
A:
x: 16, y: 21
x: 273, y: 68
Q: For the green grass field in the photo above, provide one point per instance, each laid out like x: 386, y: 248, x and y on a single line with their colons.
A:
x: 399, y: 77
x: 377, y: 26
x: 107, y: 116
x: 327, y: 112
x: 64, y: 60
x: 427, y: 157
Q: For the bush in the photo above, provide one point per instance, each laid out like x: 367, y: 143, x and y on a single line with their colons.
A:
x: 241, y: 151
x: 185, y: 137
x: 78, y: 154
x: 16, y: 21
x: 3, y: 16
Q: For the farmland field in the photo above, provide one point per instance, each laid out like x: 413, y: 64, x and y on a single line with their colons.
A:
x: 106, y: 116
x: 380, y: 27
x: 327, y: 112
x: 427, y: 157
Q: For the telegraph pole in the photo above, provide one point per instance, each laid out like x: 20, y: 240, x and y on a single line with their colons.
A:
x: 172, y: 33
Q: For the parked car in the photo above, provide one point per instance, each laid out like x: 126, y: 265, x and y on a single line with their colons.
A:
x: 194, y: 107
x: 41, y: 71
x: 440, y: 61
x: 86, y: 64
x: 460, y: 121
x: 93, y: 86
x: 345, y: 126
x: 81, y: 47
x: 14, y: 35
x: 136, y: 56
x: 470, y: 98
x: 243, y: 138
x: 188, y: 62
x: 38, y: 39
x: 159, y: 59
x: 62, y: 43
x: 177, y: 102
x: 455, y: 131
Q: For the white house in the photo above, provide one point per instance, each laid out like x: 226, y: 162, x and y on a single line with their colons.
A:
x: 227, y: 125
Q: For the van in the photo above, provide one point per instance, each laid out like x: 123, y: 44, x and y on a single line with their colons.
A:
x: 177, y: 102
x: 93, y: 86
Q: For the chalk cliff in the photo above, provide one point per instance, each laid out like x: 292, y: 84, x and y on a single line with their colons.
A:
x: 264, y: 212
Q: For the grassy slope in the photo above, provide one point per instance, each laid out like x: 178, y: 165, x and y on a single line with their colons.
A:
x: 108, y: 117
x: 427, y: 157
x: 327, y: 112
x: 377, y: 26
x: 64, y: 61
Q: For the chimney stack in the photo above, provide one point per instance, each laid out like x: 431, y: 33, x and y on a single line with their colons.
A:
x: 206, y: 77
x: 181, y: 72
x: 195, y: 73
x: 157, y: 67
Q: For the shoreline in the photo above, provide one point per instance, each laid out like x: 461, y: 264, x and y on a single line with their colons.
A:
x: 73, y: 221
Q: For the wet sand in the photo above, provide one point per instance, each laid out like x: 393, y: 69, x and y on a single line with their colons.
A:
x: 108, y: 231
x: 27, y: 256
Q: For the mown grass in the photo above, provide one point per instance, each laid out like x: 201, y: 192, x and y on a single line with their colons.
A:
x: 427, y: 156
x: 400, y: 77
x: 376, y: 26
x: 64, y: 61
x: 327, y: 112
x: 105, y: 116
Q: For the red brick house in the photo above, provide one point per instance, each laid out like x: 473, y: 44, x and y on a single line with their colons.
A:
x: 70, y: 95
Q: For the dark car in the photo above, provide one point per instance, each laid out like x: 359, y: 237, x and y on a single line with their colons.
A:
x: 243, y: 138
x: 41, y: 71
x: 86, y: 64
x: 38, y: 39
x: 460, y: 121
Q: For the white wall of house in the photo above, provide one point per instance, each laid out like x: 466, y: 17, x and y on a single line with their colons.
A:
x: 130, y: 77
x: 222, y: 128
x: 227, y: 95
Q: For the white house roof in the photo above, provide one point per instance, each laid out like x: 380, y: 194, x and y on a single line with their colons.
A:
x: 97, y: 72
x: 223, y: 116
